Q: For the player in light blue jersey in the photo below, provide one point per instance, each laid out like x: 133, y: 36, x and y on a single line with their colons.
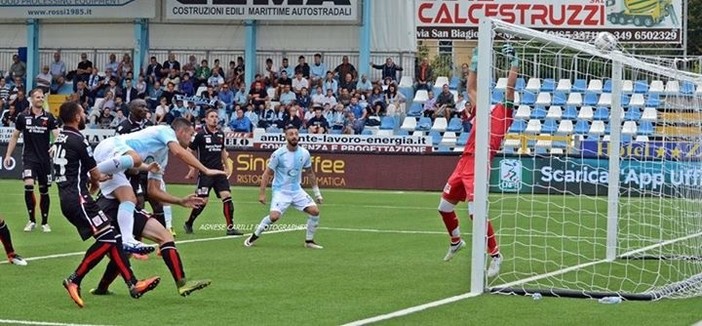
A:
x: 146, y: 149
x: 286, y: 166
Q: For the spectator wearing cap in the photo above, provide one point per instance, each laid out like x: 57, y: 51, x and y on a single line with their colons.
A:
x: 240, y: 123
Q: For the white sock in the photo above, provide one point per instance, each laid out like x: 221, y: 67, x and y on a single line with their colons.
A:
x: 125, y: 219
x: 168, y: 216
x: 116, y: 164
x: 312, y: 223
x: 265, y: 222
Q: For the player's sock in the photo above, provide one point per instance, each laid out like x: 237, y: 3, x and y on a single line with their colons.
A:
x: 92, y: 257
x: 168, y: 216
x: 195, y: 213
x: 312, y: 223
x: 5, y: 238
x: 448, y: 215
x: 116, y: 164
x: 265, y: 223
x: 172, y: 259
x: 228, y: 210
x: 493, y: 249
x: 30, y: 201
x: 44, y: 203
x: 125, y: 218
x: 109, y: 276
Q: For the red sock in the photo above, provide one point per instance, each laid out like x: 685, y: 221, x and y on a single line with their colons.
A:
x: 492, y: 247
x: 451, y: 223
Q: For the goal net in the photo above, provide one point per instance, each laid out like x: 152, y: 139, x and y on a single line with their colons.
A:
x: 597, y: 190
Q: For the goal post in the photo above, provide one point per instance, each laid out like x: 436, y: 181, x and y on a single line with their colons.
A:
x: 597, y: 190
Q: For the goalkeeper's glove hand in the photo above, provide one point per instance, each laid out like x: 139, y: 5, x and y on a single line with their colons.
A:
x: 474, y: 60
x: 511, y: 55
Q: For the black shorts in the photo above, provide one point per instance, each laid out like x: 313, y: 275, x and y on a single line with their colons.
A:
x: 111, y: 206
x: 139, y: 183
x: 83, y: 212
x: 39, y: 171
x: 205, y: 183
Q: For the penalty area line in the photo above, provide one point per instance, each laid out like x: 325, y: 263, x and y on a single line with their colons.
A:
x: 30, y: 322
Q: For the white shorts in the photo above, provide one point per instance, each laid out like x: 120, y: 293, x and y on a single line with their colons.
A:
x: 108, y: 149
x: 299, y: 200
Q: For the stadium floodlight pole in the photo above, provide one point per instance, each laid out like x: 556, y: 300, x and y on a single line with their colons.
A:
x: 482, y: 149
x: 615, y: 125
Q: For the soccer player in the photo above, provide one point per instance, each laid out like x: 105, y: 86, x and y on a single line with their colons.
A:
x: 460, y: 184
x: 36, y: 126
x: 73, y: 163
x: 151, y: 145
x: 286, y: 166
x: 150, y: 228
x: 136, y: 121
x: 209, y: 145
x: 6, y: 240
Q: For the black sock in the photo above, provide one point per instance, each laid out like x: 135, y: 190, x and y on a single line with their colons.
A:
x: 111, y: 273
x: 195, y: 213
x: 5, y: 238
x: 44, y: 203
x: 172, y: 259
x: 228, y: 210
x: 118, y: 256
x: 30, y: 201
x: 92, y: 257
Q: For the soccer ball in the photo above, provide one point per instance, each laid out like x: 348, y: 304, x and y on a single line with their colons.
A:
x: 605, y: 42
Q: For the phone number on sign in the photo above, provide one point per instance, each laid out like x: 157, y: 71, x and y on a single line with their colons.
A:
x: 622, y: 35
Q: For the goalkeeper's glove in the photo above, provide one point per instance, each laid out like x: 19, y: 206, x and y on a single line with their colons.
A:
x: 474, y: 60
x: 511, y: 55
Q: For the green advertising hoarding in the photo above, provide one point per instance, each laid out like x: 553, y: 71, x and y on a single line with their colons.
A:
x: 544, y: 175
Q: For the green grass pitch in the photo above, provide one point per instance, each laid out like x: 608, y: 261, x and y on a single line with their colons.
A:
x: 383, y: 252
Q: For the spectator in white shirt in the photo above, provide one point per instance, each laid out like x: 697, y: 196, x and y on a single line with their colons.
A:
x: 57, y: 68
x: 112, y: 65
x: 43, y: 80
x: 318, y: 96
x: 215, y: 80
x: 299, y: 83
x: 329, y: 99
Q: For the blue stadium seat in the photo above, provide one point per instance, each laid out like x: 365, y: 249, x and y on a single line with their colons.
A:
x: 590, y: 99
x: 538, y: 113
x: 467, y: 126
x: 415, y: 110
x: 455, y: 125
x: 497, y: 96
x: 462, y: 139
x: 274, y: 130
x: 518, y: 126
x: 528, y: 98
x: 645, y: 128
x: 407, y: 92
x: 640, y: 86
x: 579, y: 86
x: 402, y: 133
x: 687, y: 88
x: 601, y: 113
x: 607, y: 87
x: 570, y: 113
x: 549, y: 127
x: 624, y: 100
x: 339, y: 131
x: 559, y: 98
x: 632, y: 114
x: 626, y: 139
x: 435, y: 138
x: 548, y: 85
x: 582, y: 127
x: 454, y: 82
x: 387, y: 123
x: 653, y: 101
x: 607, y: 129
x: 423, y: 124
x: 443, y: 149
x: 521, y: 83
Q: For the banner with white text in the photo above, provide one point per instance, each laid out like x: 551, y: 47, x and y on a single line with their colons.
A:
x: 349, y: 143
x: 310, y: 10
x: 645, y: 21
x: 69, y: 9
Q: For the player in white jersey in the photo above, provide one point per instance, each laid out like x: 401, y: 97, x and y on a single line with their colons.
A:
x: 286, y: 167
x: 146, y: 149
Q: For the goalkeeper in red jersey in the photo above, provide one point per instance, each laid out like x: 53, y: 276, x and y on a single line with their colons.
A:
x: 460, y: 184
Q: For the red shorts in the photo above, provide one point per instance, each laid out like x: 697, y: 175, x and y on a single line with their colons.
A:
x: 461, y: 183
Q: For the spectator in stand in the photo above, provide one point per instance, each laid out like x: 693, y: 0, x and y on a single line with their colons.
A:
x: 112, y: 87
x: 153, y: 71
x: 423, y: 76
x: 161, y: 111
x: 240, y: 123
x: 170, y: 65
x: 335, y: 117
x: 302, y: 67
x: 107, y: 103
x: 57, y: 71
x: 271, y: 74
x: 215, y: 80
x: 299, y: 83
x: 18, y: 68
x: 241, y: 97
x: 348, y: 83
x: 177, y: 111
x: 218, y: 68
x: 292, y: 118
x: 317, y: 70
x: 377, y: 96
x: 282, y: 81
x: 344, y: 97
x: 190, y: 67
x: 120, y: 106
x: 174, y: 78
x: 355, y: 108
x: 129, y: 93
x: 364, y: 85
x: 460, y: 104
x: 192, y: 113
x: 119, y: 118
x: 318, y: 124
x: 306, y: 114
x: 318, y: 96
x: 345, y: 68
x: 378, y: 109
x: 4, y: 89
x: 353, y: 125
x: 240, y: 64
x: 85, y: 68
x: 227, y: 97
x: 287, y: 68
x: 43, y: 80
x: 304, y: 100
x: 141, y: 87
x: 395, y: 101
x: 105, y: 119
x: 279, y: 116
x: 389, y: 69
x: 186, y: 86
x: 444, y: 103
x: 429, y: 106
x: 83, y: 95
x: 113, y: 66
x: 170, y: 93
x: 19, y: 101
x: 126, y: 66
x: 210, y: 94
x: 258, y: 96
x: 9, y: 116
x: 202, y: 74
x: 267, y: 117
x: 287, y: 97
x: 329, y: 98
x: 154, y: 94
x: 252, y: 115
x: 94, y: 85
x: 17, y: 85
x: 330, y: 83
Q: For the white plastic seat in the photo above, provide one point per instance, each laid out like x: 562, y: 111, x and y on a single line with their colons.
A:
x: 441, y: 81
x: 627, y: 86
x: 501, y: 84
x: 672, y: 87
x: 637, y: 100
x: 565, y: 127
x: 554, y: 112
x: 533, y: 85
x: 533, y: 127
x: 575, y: 99
x: 595, y: 86
x: 409, y: 124
x: 405, y: 81
x: 605, y: 100
x: 523, y: 112
x: 564, y: 85
x: 656, y: 87
x: 449, y: 139
x: 629, y: 128
x: 440, y: 125
x: 585, y: 113
x: 543, y: 99
x: 597, y: 128
x: 649, y: 114
x: 421, y: 96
